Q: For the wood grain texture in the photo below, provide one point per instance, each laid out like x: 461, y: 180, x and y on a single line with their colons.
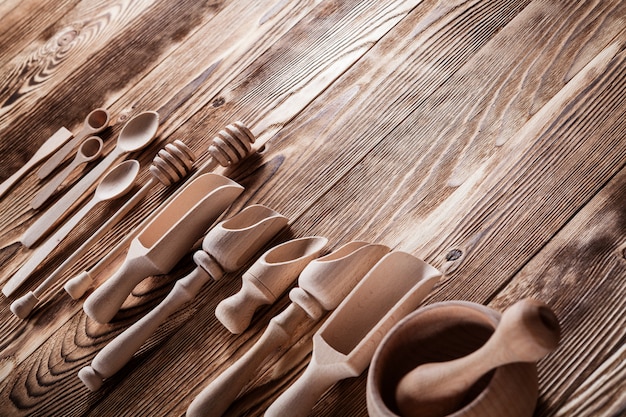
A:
x: 484, y: 136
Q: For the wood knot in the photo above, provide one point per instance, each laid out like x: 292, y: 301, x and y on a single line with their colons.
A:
x: 218, y: 102
x: 454, y: 255
x: 67, y: 37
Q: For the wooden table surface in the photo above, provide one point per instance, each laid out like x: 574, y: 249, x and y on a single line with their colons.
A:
x: 486, y: 137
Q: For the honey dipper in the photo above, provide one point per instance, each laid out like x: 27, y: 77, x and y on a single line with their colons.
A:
x: 171, y: 164
x: 227, y: 247
x: 230, y: 146
x: 528, y: 330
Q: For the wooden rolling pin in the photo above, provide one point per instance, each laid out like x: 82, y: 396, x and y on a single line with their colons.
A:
x: 322, y: 286
x: 163, y: 242
x: 226, y: 248
x: 527, y: 332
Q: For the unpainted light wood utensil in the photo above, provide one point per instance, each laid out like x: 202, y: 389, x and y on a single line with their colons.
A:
x: 344, y: 345
x: 164, y: 241
x: 527, y: 332
x: 137, y: 133
x: 170, y: 165
x: 229, y: 147
x: 95, y: 122
x: 267, y: 279
x: 49, y: 146
x: 226, y: 248
x: 114, y: 184
x: 442, y: 332
x: 88, y: 151
x: 77, y: 287
x: 323, y: 284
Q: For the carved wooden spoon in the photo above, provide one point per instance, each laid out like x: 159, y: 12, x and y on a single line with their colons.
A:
x: 114, y: 184
x: 527, y: 332
x: 89, y: 150
x: 136, y: 134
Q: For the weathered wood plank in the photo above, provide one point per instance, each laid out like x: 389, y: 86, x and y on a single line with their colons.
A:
x: 183, y: 338
x: 386, y: 18
x: 357, y: 21
x: 33, y: 18
x: 580, y: 273
x: 375, y: 129
x: 103, y: 52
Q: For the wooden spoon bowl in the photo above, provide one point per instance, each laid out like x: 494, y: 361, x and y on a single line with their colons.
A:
x: 443, y: 332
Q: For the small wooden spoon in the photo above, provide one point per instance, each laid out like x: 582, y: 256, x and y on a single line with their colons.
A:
x: 88, y: 151
x: 95, y: 122
x: 114, y: 184
x: 136, y: 134
x: 527, y: 332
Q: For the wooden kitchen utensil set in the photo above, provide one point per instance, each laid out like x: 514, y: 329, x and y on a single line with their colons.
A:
x: 366, y: 289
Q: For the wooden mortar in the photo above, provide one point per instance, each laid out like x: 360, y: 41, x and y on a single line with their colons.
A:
x: 442, y: 332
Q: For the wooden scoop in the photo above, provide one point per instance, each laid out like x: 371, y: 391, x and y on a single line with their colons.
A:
x: 227, y: 247
x: 170, y: 165
x: 229, y: 147
x: 527, y: 332
x: 323, y: 284
x: 267, y: 279
x: 164, y: 241
x: 345, y: 344
x: 137, y: 133
x: 114, y: 184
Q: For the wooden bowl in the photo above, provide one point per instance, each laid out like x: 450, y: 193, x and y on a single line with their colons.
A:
x: 442, y: 332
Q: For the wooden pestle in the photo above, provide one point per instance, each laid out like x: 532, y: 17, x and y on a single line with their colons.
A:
x: 267, y: 279
x: 527, y: 332
x: 227, y: 247
x: 323, y: 284
x: 229, y: 147
x: 163, y: 242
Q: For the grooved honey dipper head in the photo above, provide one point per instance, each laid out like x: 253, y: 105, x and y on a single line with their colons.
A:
x: 232, y: 144
x: 172, y: 163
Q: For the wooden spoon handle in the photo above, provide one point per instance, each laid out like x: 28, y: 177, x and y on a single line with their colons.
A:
x: 216, y: 397
x: 45, y: 249
x: 62, y: 207
x: 49, y: 146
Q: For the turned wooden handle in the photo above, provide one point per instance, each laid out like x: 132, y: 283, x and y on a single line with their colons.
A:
x: 106, y: 300
x: 216, y: 397
x: 236, y: 312
x: 120, y: 350
x: 301, y: 396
